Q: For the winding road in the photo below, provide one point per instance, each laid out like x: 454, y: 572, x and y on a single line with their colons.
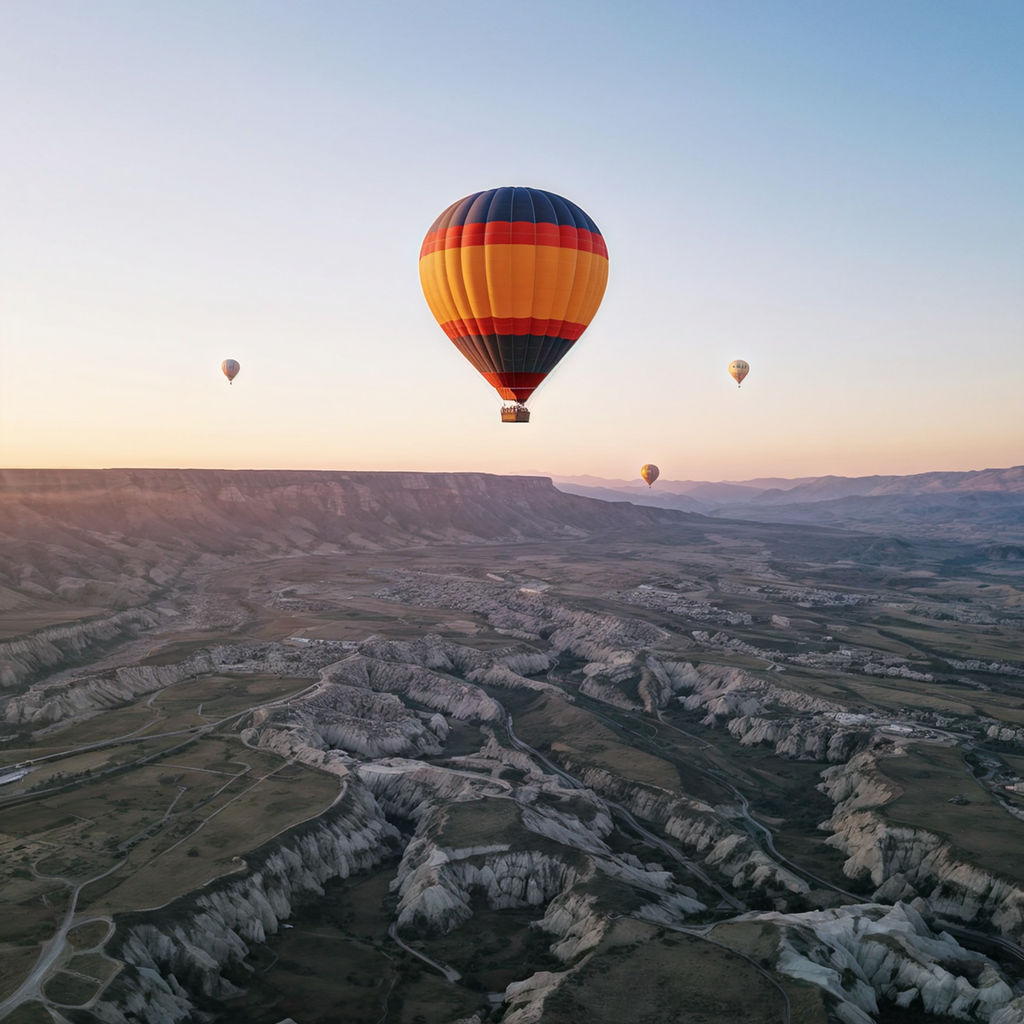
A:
x: 52, y: 949
x: 626, y: 816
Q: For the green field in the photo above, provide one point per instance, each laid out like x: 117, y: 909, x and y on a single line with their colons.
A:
x: 88, y: 934
x: 571, y: 733
x: 683, y: 978
x: 70, y: 989
x: 165, y: 828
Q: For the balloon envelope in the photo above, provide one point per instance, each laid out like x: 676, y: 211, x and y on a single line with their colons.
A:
x: 650, y: 473
x: 230, y: 369
x: 738, y: 369
x: 513, y: 276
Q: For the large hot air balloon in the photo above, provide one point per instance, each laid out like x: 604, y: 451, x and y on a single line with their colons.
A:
x: 738, y: 369
x: 513, y: 276
x: 650, y: 473
x: 230, y: 369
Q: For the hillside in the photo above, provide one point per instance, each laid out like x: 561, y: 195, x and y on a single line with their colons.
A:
x: 976, y: 506
x: 119, y: 533
x: 294, y: 508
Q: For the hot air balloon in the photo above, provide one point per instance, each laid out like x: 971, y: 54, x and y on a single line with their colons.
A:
x: 513, y: 276
x: 230, y: 369
x: 738, y: 369
x: 650, y: 473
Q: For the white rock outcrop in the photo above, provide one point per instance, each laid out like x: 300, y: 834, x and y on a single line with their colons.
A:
x: 352, y: 719
x: 906, y: 863
x: 26, y: 657
x: 755, y: 711
x: 870, y: 952
x: 184, y: 948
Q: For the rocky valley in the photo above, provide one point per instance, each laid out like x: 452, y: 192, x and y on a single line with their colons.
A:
x: 416, y: 749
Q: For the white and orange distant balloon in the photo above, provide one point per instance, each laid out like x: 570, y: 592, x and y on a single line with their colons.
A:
x: 650, y: 472
x: 738, y: 369
x: 230, y: 369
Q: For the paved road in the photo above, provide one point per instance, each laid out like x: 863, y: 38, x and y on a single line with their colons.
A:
x: 52, y: 949
x: 30, y: 988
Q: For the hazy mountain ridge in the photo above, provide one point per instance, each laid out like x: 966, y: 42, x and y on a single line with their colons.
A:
x: 827, y: 488
x: 823, y: 488
x: 974, y: 505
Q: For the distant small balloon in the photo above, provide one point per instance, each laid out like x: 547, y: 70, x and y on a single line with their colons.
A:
x: 650, y: 473
x: 230, y: 369
x: 738, y: 369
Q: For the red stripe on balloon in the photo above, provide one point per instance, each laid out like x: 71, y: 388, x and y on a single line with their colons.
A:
x: 517, y: 232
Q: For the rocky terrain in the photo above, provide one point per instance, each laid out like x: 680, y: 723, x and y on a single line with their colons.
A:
x: 537, y: 721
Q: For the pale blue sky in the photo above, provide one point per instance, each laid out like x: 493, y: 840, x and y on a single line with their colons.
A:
x: 832, y: 191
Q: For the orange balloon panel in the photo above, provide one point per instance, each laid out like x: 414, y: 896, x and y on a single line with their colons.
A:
x: 513, y: 276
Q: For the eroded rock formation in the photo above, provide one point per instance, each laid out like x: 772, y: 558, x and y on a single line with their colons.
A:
x: 185, y: 949
x: 906, y: 863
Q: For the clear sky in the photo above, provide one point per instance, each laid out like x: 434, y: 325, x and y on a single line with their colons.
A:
x: 831, y: 190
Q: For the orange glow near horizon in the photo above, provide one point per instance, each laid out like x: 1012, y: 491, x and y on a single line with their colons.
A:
x: 854, y: 238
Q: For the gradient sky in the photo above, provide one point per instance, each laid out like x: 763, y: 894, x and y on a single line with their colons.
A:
x: 831, y: 190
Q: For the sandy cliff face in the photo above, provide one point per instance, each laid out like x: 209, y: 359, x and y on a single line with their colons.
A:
x: 417, y: 671
x: 348, y: 718
x: 1005, y: 734
x: 47, y: 703
x: 436, y: 884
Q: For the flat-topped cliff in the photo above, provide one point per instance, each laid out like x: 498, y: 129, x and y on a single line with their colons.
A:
x: 300, y: 509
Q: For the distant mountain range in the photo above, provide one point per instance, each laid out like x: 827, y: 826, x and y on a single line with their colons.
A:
x: 978, y: 505
x: 113, y: 539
